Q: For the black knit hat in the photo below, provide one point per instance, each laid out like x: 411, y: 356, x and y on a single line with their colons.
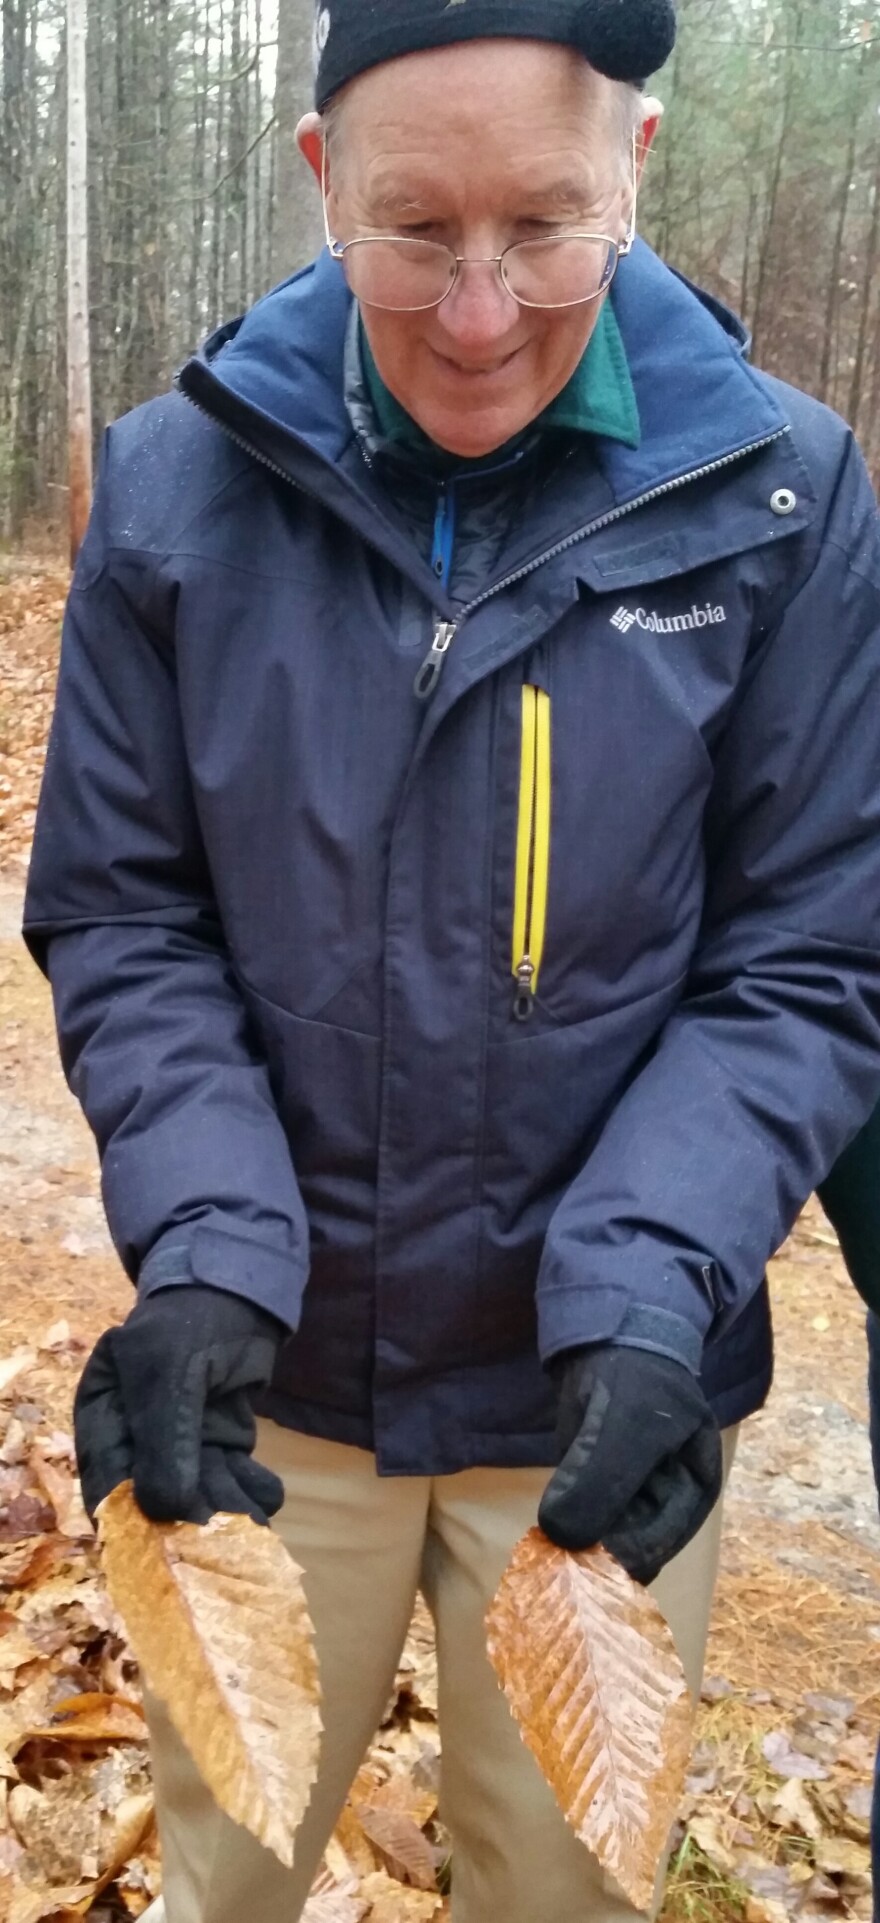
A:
x: 625, y: 39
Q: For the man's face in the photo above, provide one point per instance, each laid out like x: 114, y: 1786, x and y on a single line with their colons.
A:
x: 478, y: 145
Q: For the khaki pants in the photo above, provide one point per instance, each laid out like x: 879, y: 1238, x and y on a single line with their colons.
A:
x: 367, y: 1545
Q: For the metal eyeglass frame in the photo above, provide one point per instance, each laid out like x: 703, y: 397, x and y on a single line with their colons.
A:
x: 339, y: 249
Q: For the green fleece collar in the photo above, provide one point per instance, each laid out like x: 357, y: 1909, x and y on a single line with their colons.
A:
x: 599, y: 398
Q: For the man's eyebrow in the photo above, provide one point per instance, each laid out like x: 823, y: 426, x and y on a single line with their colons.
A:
x: 394, y: 200
x: 565, y: 192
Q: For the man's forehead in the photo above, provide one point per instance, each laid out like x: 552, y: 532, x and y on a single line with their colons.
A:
x: 480, y: 84
x: 545, y: 120
x: 412, y: 184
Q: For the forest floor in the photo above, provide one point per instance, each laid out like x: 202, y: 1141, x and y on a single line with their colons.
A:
x: 774, y: 1823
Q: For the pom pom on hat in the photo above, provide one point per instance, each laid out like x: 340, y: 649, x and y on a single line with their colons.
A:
x: 624, y: 39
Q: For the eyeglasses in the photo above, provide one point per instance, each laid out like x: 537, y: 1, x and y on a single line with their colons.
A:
x: 409, y: 276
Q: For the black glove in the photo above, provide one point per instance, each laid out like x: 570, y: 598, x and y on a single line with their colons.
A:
x: 641, y: 1450
x: 165, y: 1399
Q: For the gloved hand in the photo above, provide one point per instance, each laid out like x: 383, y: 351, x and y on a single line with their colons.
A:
x: 641, y: 1457
x: 165, y: 1399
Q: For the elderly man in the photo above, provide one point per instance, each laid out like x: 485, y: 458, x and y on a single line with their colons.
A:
x: 458, y: 869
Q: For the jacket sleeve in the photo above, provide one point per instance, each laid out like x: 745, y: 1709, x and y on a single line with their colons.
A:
x: 772, y: 1060
x: 197, y: 1177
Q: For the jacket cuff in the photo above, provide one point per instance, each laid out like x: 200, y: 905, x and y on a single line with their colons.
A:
x: 221, y: 1259
x: 663, y: 1333
x: 580, y: 1318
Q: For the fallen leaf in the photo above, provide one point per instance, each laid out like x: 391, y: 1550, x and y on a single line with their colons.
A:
x: 410, y: 1856
x: 393, y: 1904
x: 836, y: 1708
x: 350, y: 1852
x: 338, y: 1862
x: 714, y: 1689
x: 11, y: 1852
x: 332, y: 1902
x: 92, y: 1718
x: 57, y: 1447
x: 773, y: 1882
x: 858, y: 1804
x: 702, y: 1774
x: 401, y: 1793
x: 16, y: 1446
x: 857, y: 1751
x: 820, y: 1889
x: 63, y: 1491
x: 778, y: 1751
x: 790, y: 1809
x: 123, y: 1834
x: 424, y: 1769
x: 140, y: 1878
x: 16, y: 1649
x: 31, y: 1906
x: 80, y: 1593
x: 26, y: 1514
x: 58, y: 1825
x: 130, y: 1823
x: 592, y: 1675
x: 765, y: 1909
x: 706, y: 1832
x: 840, y: 1856
x: 217, y: 1617
x: 12, y: 1366
x: 26, y: 1562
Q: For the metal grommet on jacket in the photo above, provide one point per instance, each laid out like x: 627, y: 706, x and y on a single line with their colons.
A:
x: 783, y: 501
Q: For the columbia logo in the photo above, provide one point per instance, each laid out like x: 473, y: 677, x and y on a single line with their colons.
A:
x: 706, y: 616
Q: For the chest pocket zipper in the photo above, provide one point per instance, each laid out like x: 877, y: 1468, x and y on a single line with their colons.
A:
x: 532, y: 851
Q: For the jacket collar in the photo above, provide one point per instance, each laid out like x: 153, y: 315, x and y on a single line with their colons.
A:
x: 599, y: 399
x: 276, y: 381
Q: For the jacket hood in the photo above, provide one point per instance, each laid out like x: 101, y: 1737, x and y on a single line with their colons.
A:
x: 284, y: 362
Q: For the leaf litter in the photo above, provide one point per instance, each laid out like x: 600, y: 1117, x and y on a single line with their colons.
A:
x: 796, y: 1617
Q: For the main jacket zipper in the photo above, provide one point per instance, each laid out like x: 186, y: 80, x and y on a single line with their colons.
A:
x: 532, y: 850
x: 445, y: 631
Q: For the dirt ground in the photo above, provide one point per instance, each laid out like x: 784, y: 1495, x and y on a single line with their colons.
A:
x: 774, y: 1823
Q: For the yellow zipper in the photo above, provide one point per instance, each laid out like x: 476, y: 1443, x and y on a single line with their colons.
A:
x: 532, y: 850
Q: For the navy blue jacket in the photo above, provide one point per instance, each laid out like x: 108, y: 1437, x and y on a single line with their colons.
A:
x: 281, y: 898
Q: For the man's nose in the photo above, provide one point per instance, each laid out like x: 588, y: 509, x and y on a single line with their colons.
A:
x: 479, y: 310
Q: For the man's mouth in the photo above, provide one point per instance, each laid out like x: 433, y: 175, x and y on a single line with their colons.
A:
x: 481, y: 371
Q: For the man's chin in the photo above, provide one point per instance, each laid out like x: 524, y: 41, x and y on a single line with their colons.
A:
x: 471, y: 439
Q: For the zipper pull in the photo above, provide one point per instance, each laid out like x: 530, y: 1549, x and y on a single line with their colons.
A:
x: 429, y: 673
x: 524, y: 999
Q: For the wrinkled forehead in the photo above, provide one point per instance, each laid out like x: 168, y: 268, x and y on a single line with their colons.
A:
x: 483, y: 107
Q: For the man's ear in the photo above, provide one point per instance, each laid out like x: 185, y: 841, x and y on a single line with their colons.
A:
x: 652, y: 114
x: 310, y: 141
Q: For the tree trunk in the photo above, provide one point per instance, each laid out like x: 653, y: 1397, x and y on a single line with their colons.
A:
x: 194, y: 313
x: 216, y: 277
x: 872, y: 259
x: 832, y: 297
x: 298, y: 227
x: 79, y: 385
x: 769, y: 237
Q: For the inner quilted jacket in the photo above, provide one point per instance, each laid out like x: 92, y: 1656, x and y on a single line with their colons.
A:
x: 468, y: 961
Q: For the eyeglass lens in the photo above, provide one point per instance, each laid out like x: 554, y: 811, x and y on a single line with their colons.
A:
x: 407, y: 275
